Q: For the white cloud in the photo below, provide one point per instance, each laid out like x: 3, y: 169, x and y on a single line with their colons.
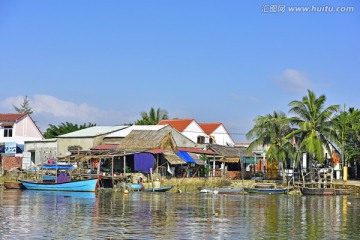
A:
x: 294, y: 81
x: 43, y: 104
x: 51, y: 110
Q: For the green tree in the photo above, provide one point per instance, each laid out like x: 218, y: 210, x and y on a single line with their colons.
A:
x: 63, y: 128
x: 315, y: 124
x: 272, y: 130
x: 24, y: 107
x: 153, y: 117
x: 352, y: 135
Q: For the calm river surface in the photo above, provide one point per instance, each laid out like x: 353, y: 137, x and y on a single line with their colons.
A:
x: 59, y: 215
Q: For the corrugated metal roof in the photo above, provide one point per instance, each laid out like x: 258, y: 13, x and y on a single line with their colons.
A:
x: 93, y: 131
x: 156, y: 150
x: 198, y: 160
x: 197, y: 150
x: 173, y: 159
x: 126, y: 131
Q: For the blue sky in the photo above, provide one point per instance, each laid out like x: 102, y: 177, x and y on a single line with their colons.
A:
x: 228, y: 61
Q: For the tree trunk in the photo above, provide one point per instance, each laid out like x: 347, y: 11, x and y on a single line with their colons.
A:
x: 283, y: 175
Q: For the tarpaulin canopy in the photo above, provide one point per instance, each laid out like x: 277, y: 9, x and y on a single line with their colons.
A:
x: 186, y: 157
x: 143, y: 162
x: 57, y: 166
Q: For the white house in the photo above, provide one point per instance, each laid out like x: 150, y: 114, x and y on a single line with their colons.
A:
x: 189, y: 128
x: 217, y: 134
x: 18, y: 128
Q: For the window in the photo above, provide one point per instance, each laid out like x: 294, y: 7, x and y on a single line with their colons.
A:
x: 8, y: 131
x: 32, y: 156
x: 200, y: 139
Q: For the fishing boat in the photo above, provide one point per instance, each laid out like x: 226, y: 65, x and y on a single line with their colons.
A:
x: 158, y: 189
x: 135, y: 186
x: 87, y: 185
x: 267, y: 190
x: 61, y: 181
x: 13, y: 185
x: 223, y: 190
x: 339, y: 191
x: 325, y: 191
x: 317, y: 191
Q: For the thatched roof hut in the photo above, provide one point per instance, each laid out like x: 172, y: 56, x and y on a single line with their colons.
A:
x: 229, y: 154
x: 146, y: 140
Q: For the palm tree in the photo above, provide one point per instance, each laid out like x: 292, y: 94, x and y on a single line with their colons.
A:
x: 348, y: 128
x: 315, y: 124
x: 271, y: 130
x: 153, y: 117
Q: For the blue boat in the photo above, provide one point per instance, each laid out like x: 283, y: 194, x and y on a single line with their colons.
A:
x: 135, y: 186
x: 159, y: 189
x: 87, y: 185
x: 61, y: 181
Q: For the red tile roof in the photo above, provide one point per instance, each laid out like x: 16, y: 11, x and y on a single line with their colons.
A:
x: 11, y: 117
x: 178, y: 124
x: 209, y: 127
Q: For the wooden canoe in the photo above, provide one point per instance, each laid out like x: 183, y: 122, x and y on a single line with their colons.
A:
x: 317, y: 191
x: 13, y: 185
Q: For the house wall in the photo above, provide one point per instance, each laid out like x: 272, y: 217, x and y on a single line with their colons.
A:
x: 222, y: 137
x: 43, y: 150
x: 193, y: 131
x: 24, y: 130
x: 84, y: 143
x: 27, y: 128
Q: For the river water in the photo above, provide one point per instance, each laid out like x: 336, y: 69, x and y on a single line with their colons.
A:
x: 112, y: 215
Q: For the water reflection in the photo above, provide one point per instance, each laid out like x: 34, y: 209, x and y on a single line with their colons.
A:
x: 57, y: 215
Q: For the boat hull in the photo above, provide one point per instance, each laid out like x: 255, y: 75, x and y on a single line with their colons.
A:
x: 267, y: 190
x: 88, y: 185
x: 135, y: 186
x: 228, y: 190
x: 317, y: 191
x: 161, y: 189
x: 343, y: 191
x: 13, y: 185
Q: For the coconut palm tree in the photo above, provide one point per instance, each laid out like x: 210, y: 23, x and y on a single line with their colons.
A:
x: 315, y: 124
x: 271, y: 130
x: 347, y: 124
x: 153, y: 117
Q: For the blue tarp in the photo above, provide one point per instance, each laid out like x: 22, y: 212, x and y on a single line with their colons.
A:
x: 57, y: 166
x: 143, y: 162
x: 186, y: 157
